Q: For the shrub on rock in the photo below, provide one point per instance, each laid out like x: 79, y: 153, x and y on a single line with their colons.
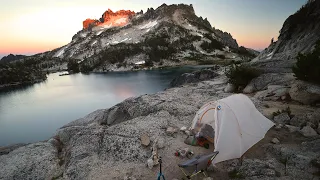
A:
x: 73, y: 66
x: 307, y: 67
x: 241, y: 75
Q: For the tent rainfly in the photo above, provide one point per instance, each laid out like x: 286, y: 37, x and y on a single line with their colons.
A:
x: 233, y: 124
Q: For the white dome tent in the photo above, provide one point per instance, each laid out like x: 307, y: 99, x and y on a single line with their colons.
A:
x: 233, y: 124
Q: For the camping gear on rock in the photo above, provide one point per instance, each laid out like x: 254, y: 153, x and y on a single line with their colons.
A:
x: 203, y: 142
x: 206, y: 131
x: 236, y: 125
x: 197, y: 141
x: 191, y: 140
x: 190, y: 154
x: 184, y: 153
x: 197, y: 165
x: 160, y: 173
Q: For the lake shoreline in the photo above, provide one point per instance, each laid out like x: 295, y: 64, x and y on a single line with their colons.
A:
x: 4, y: 87
x: 80, y: 93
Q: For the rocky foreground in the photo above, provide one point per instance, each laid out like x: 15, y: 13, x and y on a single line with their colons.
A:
x: 106, y: 144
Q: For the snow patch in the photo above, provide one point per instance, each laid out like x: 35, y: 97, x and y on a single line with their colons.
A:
x: 194, y: 29
x: 270, y: 54
x: 60, y: 53
x: 149, y: 25
x: 80, y: 61
x: 94, y: 42
x: 83, y: 35
x: 124, y: 40
x: 115, y: 42
x: 140, y: 63
x: 137, y: 16
x: 99, y: 32
x: 125, y: 33
x: 199, y: 34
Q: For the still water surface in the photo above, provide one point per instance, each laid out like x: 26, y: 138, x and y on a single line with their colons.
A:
x: 34, y: 113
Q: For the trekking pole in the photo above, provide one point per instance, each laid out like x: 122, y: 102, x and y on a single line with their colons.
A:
x: 160, y: 173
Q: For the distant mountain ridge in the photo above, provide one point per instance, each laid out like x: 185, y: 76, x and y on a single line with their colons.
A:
x: 11, y: 57
x: 169, y: 35
x: 299, y: 34
x: 165, y: 36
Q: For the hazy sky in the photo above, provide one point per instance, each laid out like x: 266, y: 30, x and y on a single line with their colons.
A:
x: 33, y: 26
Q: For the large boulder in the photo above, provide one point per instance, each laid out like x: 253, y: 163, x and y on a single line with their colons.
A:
x: 197, y: 76
x: 282, y: 118
x: 304, y: 92
x: 302, y: 119
x: 230, y: 88
x: 264, y: 80
x: 292, y: 129
x: 273, y: 93
x: 308, y: 131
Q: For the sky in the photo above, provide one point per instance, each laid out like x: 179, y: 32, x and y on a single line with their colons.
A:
x: 34, y: 26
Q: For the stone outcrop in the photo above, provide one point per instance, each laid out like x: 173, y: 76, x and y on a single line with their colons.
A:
x: 282, y: 118
x: 90, y: 23
x: 263, y: 81
x: 230, y: 88
x: 34, y: 161
x: 308, y: 131
x: 305, y: 92
x: 273, y: 93
x: 194, y: 77
x: 302, y: 119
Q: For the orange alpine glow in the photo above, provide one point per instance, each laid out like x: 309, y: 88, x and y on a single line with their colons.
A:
x: 110, y: 18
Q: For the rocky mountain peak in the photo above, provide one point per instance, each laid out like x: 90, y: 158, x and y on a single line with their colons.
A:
x: 110, y: 18
x: 188, y: 9
x: 11, y: 58
x: 163, y: 36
